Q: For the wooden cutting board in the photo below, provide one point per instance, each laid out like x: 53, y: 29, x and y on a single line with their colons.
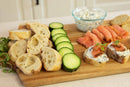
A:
x: 85, y: 71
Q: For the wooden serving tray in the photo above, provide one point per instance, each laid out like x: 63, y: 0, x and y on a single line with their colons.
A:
x: 85, y: 71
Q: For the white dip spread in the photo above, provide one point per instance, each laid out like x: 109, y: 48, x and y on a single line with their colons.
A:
x: 101, y: 58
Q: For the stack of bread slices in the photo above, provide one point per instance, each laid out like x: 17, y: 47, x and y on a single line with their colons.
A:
x: 30, y: 48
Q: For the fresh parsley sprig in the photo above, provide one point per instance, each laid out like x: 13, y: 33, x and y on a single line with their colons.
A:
x: 116, y: 42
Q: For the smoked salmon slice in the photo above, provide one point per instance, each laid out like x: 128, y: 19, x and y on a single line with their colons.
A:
x: 119, y: 47
x: 97, y: 51
x: 114, y: 35
x: 86, y: 41
x: 93, y: 37
x: 122, y: 32
x: 98, y: 34
x: 105, y: 32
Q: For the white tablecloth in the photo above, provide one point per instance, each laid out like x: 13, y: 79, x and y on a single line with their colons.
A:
x: 12, y: 80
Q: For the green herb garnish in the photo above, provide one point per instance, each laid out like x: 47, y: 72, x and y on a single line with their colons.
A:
x: 4, y: 57
x: 104, y: 44
x: 102, y: 48
x: 116, y: 42
x: 97, y: 44
x: 4, y: 44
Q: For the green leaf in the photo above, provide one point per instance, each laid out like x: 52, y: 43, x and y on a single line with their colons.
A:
x: 5, y: 70
x: 102, y: 48
x: 104, y: 44
x: 97, y: 44
x: 116, y: 42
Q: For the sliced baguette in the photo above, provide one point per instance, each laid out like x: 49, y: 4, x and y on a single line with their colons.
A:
x: 50, y: 44
x: 51, y: 59
x: 126, y: 26
x: 38, y: 28
x: 19, y: 34
x: 36, y: 43
x: 22, y: 26
x: 93, y: 61
x: 17, y: 49
x: 10, y: 43
x: 29, y: 64
x: 119, y: 20
x: 112, y: 53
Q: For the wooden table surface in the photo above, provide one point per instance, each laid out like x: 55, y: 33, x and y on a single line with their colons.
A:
x: 118, y: 80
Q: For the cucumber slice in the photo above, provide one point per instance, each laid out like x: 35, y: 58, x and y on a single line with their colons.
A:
x: 64, y: 44
x: 65, y: 50
x: 57, y: 35
x: 55, y: 25
x: 71, y: 62
x: 56, y: 31
x: 61, y: 39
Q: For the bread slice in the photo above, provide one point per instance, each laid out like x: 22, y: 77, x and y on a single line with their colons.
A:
x: 50, y: 44
x: 36, y: 43
x: 51, y: 59
x: 22, y: 26
x: 10, y: 43
x: 38, y: 28
x: 119, y: 20
x: 121, y: 57
x: 17, y: 49
x: 99, y: 61
x: 126, y: 26
x: 19, y: 34
x: 29, y: 64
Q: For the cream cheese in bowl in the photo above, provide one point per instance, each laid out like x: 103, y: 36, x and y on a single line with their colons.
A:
x: 88, y: 19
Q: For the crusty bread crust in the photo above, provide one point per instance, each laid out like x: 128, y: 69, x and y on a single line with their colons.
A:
x: 113, y: 55
x: 10, y: 43
x: 126, y: 59
x: 17, y: 49
x: 126, y: 26
x: 19, y: 34
x: 91, y: 61
x: 51, y: 59
x: 29, y: 64
x: 120, y: 20
x: 22, y: 26
x: 38, y: 28
x: 50, y: 44
x: 36, y: 43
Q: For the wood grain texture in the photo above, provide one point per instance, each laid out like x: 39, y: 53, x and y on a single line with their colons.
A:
x: 85, y: 71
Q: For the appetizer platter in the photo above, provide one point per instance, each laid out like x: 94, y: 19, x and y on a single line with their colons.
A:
x: 42, y: 54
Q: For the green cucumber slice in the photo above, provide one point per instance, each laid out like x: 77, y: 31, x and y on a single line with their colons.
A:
x: 61, y: 39
x: 57, y: 35
x: 64, y: 44
x: 71, y: 62
x: 55, y: 25
x: 65, y: 50
x: 56, y: 31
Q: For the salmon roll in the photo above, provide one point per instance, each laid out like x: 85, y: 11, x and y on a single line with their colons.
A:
x: 85, y: 41
x: 98, y: 34
x: 105, y: 32
x: 93, y: 37
x: 123, y: 33
x: 114, y: 35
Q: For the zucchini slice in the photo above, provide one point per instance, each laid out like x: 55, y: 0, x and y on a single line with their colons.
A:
x: 65, y: 50
x: 64, y: 44
x: 56, y: 31
x: 57, y: 35
x: 71, y: 62
x: 55, y: 25
x: 61, y: 39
